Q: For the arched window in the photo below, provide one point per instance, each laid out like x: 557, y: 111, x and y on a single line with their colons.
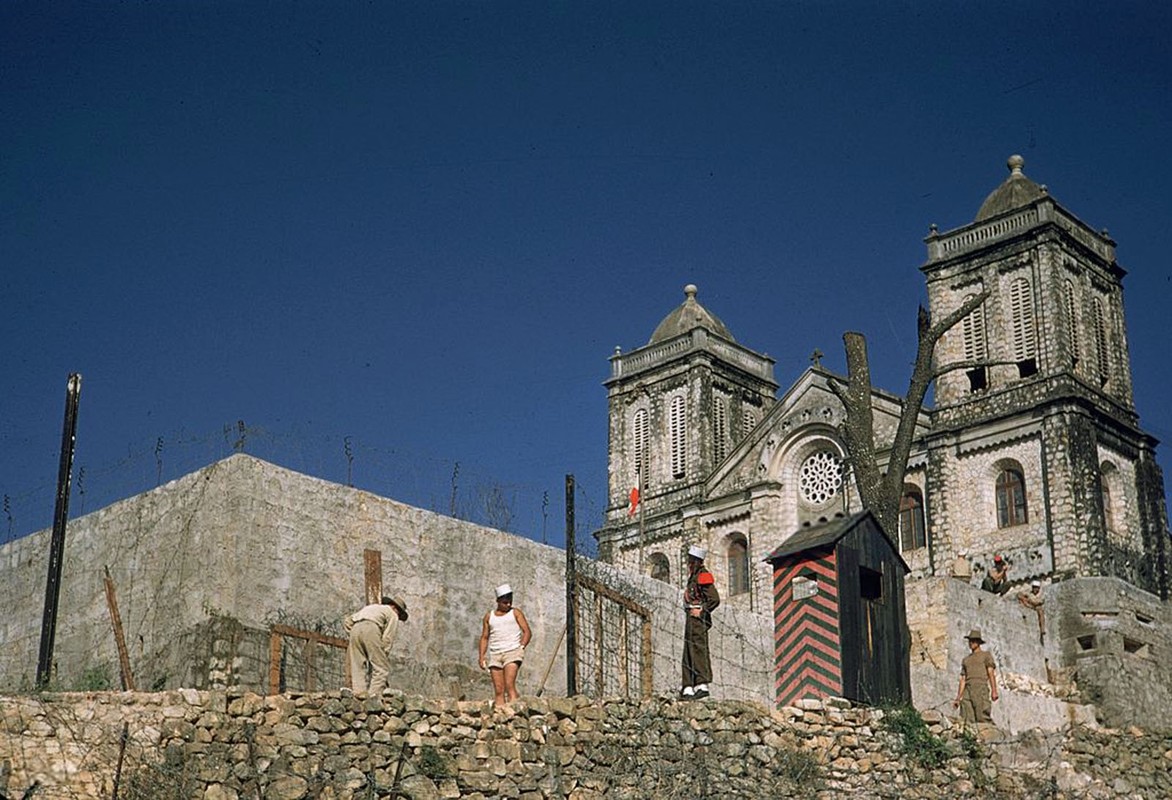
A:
x: 660, y: 567
x: 912, y: 535
x: 676, y: 423
x: 748, y: 420
x: 1011, y: 498
x: 1021, y: 308
x: 738, y: 564
x: 975, y: 347
x: 640, y: 433
x: 1102, y: 357
x: 719, y: 429
x: 1072, y: 322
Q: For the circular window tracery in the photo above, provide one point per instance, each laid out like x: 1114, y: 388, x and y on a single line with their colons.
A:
x: 820, y: 477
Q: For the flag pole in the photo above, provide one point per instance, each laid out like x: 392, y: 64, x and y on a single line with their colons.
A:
x: 642, y: 561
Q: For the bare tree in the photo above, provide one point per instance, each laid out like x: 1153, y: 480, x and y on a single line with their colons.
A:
x: 881, y: 491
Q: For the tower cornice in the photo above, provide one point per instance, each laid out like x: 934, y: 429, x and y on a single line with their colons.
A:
x: 963, y: 243
x: 679, y: 349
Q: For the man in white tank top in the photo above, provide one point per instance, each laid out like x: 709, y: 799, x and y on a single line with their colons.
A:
x: 503, y: 637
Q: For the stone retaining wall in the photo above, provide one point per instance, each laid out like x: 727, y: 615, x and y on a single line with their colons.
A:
x: 217, y: 745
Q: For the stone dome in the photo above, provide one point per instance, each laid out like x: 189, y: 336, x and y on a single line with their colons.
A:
x: 690, y: 314
x: 1017, y: 191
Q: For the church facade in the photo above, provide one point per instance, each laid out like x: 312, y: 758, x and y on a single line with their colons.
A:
x: 1033, y: 449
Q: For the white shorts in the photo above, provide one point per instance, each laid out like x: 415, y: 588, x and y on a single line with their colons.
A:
x: 498, y: 660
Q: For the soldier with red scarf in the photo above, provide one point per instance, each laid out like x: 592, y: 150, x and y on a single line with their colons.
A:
x: 700, y: 599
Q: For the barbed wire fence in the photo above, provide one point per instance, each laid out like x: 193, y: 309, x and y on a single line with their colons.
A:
x: 616, y: 610
x: 626, y: 633
x: 446, y: 485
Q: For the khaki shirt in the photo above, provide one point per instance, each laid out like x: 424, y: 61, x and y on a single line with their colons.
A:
x: 974, y: 666
x: 386, y: 617
x: 1031, y: 600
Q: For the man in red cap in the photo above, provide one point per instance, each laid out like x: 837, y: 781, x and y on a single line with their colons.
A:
x: 997, y: 579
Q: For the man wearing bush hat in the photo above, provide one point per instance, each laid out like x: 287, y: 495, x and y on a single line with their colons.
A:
x: 700, y: 599
x: 372, y: 630
x: 978, y: 682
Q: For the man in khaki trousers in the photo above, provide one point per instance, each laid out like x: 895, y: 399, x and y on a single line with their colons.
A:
x: 372, y: 631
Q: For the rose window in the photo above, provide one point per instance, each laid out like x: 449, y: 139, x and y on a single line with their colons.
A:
x: 820, y: 477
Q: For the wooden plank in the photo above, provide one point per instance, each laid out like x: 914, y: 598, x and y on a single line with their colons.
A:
x: 602, y: 591
x: 624, y: 655
x: 807, y: 630
x: 647, y: 658
x: 599, y: 689
x: 611, y: 594
x: 372, y: 562
x: 855, y: 664
x: 313, y: 636
x: 310, y: 649
x: 274, y: 662
x: 119, y: 635
x: 576, y: 665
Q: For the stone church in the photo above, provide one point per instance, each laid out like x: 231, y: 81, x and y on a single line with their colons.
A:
x: 1034, y: 451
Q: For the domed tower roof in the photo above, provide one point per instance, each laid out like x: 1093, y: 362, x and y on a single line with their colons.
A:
x: 688, y: 315
x: 1017, y: 191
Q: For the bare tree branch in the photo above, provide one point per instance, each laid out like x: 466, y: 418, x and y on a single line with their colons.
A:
x: 881, y: 492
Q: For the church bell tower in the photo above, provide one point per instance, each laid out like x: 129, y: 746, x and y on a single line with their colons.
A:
x: 677, y: 406
x: 1036, y: 448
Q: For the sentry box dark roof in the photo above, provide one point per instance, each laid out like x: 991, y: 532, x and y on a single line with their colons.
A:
x: 828, y: 534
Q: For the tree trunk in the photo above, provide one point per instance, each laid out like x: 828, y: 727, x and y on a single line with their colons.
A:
x: 881, y: 492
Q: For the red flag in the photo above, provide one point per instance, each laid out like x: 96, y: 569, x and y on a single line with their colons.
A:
x: 634, y: 501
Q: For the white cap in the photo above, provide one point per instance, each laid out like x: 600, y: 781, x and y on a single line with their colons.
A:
x: 503, y: 589
x: 1037, y: 584
x: 963, y: 553
x: 696, y: 551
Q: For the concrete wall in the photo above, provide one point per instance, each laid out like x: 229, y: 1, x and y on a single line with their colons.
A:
x: 250, y: 541
x: 1117, y: 641
x: 941, y: 611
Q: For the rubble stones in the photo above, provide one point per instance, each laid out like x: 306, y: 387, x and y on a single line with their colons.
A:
x: 332, y: 745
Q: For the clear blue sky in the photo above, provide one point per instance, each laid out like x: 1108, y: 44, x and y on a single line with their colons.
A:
x: 425, y: 226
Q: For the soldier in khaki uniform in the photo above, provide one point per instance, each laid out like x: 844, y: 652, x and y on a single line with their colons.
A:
x: 978, y: 682
x: 372, y: 630
x: 1032, y: 598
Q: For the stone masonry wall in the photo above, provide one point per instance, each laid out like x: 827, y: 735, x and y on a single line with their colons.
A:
x: 1117, y: 640
x: 250, y: 541
x: 1104, y: 657
x: 203, y: 566
x: 224, y: 746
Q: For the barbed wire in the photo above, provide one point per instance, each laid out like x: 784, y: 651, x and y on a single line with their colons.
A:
x: 451, y: 486
x: 741, y: 645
